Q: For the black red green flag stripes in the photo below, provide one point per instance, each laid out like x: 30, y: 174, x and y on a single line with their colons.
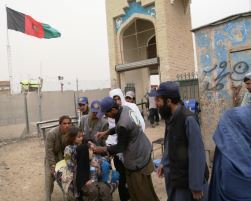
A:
x: 26, y: 24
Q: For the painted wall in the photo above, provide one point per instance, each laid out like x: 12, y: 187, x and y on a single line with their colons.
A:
x: 224, y: 57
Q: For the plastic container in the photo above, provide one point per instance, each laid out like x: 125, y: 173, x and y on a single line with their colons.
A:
x: 156, y: 163
x: 93, y: 173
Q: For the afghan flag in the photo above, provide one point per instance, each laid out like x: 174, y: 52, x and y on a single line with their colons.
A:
x: 26, y: 24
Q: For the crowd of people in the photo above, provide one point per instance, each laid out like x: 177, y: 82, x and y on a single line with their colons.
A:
x: 109, y: 149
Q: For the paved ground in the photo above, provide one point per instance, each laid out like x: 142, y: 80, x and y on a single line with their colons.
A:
x: 22, y: 172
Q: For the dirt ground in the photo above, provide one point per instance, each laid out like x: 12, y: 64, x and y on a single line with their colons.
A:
x: 22, y: 171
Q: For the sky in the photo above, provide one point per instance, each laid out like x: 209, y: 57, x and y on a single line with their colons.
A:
x: 82, y: 51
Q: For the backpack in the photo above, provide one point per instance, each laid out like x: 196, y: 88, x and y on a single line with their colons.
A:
x: 194, y: 106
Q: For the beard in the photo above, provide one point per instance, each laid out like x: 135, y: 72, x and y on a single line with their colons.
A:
x: 165, y: 112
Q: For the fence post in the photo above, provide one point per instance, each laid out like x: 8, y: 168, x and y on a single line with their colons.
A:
x: 40, y: 105
x: 75, y: 105
x: 26, y: 113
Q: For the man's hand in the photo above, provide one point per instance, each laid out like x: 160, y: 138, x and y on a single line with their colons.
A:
x: 197, y: 195
x: 53, y: 169
x: 99, y: 150
x: 160, y: 171
x: 100, y: 135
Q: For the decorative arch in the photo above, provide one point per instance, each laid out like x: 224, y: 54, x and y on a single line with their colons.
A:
x: 134, y: 8
x: 131, y: 19
x: 124, y: 27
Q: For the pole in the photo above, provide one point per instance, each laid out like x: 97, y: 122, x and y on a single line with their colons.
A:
x: 26, y: 114
x: 9, y: 56
x: 62, y: 87
x: 75, y: 105
x: 40, y: 93
x: 77, y: 87
x: 40, y: 99
x: 60, y: 79
x: 77, y: 90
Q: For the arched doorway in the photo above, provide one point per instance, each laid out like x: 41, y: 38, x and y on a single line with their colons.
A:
x: 138, y: 46
x: 153, y: 70
x: 137, y: 39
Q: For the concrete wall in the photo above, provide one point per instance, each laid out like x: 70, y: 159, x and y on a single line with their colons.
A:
x: 140, y: 78
x: 224, y: 57
x: 11, y: 109
x: 53, y: 105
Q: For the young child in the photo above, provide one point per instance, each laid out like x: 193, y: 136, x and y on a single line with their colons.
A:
x: 102, y: 182
x: 103, y: 169
x: 66, y: 169
x: 75, y: 137
x: 77, y: 179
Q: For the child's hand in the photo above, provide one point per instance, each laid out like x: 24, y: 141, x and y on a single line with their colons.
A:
x: 90, y: 153
x: 99, y: 171
x: 88, y: 183
x: 91, y: 145
x: 52, y: 169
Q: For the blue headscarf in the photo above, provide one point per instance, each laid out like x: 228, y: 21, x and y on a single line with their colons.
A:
x: 231, y: 176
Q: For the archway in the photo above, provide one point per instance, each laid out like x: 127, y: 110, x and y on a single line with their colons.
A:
x: 137, y: 40
x: 152, y: 48
x: 138, y: 47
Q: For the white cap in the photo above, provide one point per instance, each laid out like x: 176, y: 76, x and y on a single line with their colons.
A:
x: 247, y: 77
x: 130, y: 94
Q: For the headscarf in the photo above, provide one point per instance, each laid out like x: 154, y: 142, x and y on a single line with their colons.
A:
x: 133, y: 106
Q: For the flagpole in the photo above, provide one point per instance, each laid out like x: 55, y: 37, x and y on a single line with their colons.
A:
x: 9, y: 55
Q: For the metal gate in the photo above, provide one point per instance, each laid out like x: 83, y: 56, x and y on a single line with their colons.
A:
x: 130, y: 87
x: 189, y: 86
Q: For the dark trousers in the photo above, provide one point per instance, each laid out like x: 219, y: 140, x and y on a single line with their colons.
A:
x: 154, y: 115
x: 140, y: 184
x: 123, y: 190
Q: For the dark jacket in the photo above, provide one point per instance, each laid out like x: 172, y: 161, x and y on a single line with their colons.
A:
x: 91, y: 126
x: 178, y: 149
x: 136, y: 146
